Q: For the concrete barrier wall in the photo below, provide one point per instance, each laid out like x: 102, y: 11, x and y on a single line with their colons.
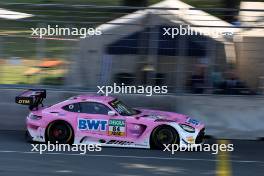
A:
x: 225, y: 117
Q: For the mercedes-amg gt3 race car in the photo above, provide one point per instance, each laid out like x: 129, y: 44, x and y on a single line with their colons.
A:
x: 105, y: 120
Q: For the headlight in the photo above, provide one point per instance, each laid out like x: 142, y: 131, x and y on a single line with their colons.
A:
x: 34, y: 117
x: 187, y: 128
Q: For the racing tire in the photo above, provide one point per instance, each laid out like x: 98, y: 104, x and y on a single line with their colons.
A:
x: 59, y: 132
x: 163, y: 135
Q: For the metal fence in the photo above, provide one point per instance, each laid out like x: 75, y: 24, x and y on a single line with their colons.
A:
x: 136, y: 46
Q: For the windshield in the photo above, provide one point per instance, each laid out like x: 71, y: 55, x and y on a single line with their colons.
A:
x: 123, y: 109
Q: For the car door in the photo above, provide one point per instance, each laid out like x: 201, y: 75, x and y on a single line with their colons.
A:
x: 93, y: 118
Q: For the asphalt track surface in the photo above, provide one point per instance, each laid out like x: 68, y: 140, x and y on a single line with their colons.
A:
x: 16, y: 159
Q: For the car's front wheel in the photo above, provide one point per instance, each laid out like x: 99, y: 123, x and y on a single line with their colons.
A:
x: 60, y: 132
x: 163, y: 135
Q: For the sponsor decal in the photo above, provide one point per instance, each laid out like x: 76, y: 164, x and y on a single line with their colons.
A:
x: 192, y: 121
x: 117, y: 127
x: 23, y: 101
x: 119, y: 142
x: 71, y: 106
x: 92, y: 124
x: 61, y: 114
x: 190, y: 139
x: 156, y: 116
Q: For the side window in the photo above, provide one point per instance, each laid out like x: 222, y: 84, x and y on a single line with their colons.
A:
x: 75, y: 107
x: 94, y: 108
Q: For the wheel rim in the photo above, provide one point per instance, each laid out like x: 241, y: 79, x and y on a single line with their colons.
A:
x: 165, y: 136
x: 59, y: 133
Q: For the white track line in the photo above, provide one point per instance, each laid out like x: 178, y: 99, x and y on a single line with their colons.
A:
x: 133, y: 157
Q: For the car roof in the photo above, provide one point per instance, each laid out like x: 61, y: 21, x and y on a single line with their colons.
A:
x: 83, y: 98
x: 92, y: 97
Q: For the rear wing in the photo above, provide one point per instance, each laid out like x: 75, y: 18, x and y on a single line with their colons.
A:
x: 32, y: 97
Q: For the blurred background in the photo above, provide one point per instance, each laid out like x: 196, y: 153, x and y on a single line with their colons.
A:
x: 217, y: 79
x: 132, y: 48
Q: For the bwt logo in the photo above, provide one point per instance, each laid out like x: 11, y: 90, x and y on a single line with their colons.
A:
x: 92, y: 124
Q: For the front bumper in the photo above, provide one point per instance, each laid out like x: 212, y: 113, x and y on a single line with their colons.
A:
x: 189, y: 138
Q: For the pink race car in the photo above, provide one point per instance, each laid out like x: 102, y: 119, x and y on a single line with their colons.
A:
x: 105, y: 120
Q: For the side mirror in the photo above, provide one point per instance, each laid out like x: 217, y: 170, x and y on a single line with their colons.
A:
x: 111, y: 113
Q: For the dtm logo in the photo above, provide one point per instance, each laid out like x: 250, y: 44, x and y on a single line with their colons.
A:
x: 23, y: 101
x: 92, y: 124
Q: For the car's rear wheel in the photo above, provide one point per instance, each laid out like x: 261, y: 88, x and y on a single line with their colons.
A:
x: 60, y: 132
x: 163, y: 135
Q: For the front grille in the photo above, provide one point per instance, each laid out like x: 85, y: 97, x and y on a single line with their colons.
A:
x: 200, y: 137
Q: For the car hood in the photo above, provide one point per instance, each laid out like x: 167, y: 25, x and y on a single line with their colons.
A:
x: 164, y: 116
